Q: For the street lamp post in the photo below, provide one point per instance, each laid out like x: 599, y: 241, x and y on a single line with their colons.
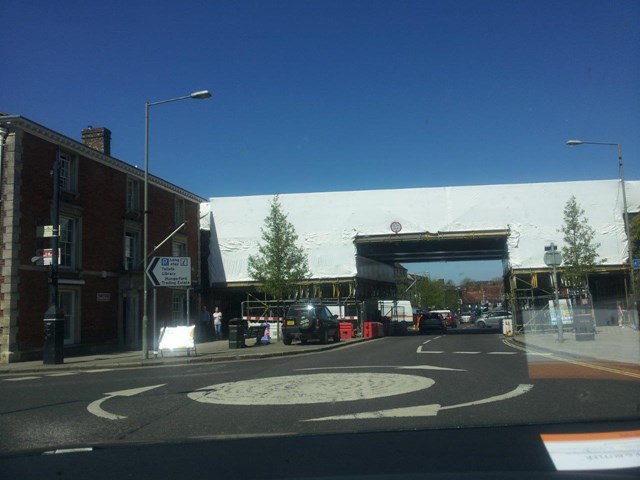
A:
x: 573, y: 143
x: 202, y: 94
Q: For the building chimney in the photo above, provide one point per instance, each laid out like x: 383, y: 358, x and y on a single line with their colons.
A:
x: 98, y: 139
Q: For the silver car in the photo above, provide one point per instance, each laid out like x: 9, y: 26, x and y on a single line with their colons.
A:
x: 493, y: 319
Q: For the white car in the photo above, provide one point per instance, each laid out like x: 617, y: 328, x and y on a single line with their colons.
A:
x: 493, y: 319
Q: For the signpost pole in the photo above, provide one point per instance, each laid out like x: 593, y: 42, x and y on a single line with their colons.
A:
x: 553, y: 259
x: 188, y: 293
x: 557, y: 302
x: 53, y: 348
x: 155, y: 319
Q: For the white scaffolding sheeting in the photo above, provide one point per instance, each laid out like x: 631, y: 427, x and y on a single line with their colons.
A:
x: 328, y: 222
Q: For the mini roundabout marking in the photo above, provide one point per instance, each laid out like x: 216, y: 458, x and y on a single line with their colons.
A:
x: 313, y: 388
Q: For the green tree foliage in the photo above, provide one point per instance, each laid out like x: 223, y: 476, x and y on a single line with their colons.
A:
x: 437, y: 294
x: 579, y: 253
x: 280, y: 263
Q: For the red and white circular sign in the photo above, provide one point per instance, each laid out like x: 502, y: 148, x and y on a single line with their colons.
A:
x: 396, y: 227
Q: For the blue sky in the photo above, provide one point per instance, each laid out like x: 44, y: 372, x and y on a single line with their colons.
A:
x: 336, y: 94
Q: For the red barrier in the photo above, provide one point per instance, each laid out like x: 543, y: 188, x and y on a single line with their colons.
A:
x: 368, y: 330
x: 346, y: 330
x: 373, y: 330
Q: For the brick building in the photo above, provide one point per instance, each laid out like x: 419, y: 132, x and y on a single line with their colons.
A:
x: 100, y: 242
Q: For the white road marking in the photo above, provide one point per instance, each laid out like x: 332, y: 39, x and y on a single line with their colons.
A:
x: 468, y: 353
x: 19, y: 379
x: 68, y: 450
x: 94, y: 407
x: 63, y: 374
x: 423, y: 410
x: 428, y: 351
x: 410, y: 367
x: 100, y: 370
x: 502, y: 353
x: 424, y: 343
x: 431, y: 367
x: 313, y: 388
x: 539, y: 354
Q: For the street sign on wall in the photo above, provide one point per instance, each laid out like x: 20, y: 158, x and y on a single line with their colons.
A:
x: 170, y: 271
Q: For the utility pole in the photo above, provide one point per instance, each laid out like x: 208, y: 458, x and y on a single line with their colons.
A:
x: 53, y: 352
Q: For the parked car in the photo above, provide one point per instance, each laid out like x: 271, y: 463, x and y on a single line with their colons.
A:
x: 309, y: 321
x: 431, y: 321
x: 493, y: 319
x: 465, y: 316
x: 449, y: 320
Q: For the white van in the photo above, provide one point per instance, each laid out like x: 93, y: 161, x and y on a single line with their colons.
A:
x: 397, y: 311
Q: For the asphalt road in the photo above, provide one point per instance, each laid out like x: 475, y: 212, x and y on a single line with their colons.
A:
x: 462, y: 379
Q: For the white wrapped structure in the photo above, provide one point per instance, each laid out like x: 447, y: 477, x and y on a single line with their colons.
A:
x: 328, y: 223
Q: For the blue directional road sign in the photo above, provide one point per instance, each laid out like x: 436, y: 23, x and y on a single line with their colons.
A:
x: 170, y: 271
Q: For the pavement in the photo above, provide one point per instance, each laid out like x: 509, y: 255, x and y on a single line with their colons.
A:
x: 215, y: 351
x: 610, y: 344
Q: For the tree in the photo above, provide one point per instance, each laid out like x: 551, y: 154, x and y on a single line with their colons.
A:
x: 579, y: 253
x: 437, y: 294
x: 280, y: 263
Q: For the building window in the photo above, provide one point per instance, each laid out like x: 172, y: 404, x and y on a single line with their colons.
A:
x: 179, y: 212
x: 68, y: 172
x: 131, y: 250
x: 133, y: 195
x: 69, y: 299
x: 179, y: 308
x: 69, y: 242
x: 179, y: 247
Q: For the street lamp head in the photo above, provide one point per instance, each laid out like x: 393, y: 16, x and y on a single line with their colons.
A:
x: 201, y: 94
x: 573, y: 143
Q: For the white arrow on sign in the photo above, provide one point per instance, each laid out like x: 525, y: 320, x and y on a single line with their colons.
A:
x: 94, y: 407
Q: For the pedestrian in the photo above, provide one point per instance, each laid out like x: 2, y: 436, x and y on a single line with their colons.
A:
x: 620, y: 315
x: 205, y: 319
x: 217, y: 323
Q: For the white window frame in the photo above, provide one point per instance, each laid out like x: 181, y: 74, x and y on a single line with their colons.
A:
x: 179, y: 307
x: 179, y: 246
x: 132, y: 254
x: 69, y: 242
x: 179, y: 211
x: 68, y: 172
x: 69, y: 300
x: 133, y: 195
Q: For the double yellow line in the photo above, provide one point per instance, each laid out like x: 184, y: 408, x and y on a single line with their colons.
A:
x: 617, y: 371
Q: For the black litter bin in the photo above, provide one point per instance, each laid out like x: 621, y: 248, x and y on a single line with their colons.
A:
x: 583, y: 327
x: 236, y: 333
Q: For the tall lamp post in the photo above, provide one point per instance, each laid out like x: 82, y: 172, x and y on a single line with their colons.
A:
x: 202, y: 94
x: 573, y: 143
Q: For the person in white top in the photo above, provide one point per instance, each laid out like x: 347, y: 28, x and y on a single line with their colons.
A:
x: 217, y: 323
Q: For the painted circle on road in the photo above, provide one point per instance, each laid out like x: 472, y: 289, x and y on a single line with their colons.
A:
x: 315, y: 388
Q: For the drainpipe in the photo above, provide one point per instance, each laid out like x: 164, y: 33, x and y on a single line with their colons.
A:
x: 3, y: 135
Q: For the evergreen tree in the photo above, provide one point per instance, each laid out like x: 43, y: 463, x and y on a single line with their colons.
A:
x: 280, y: 263
x: 579, y: 253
